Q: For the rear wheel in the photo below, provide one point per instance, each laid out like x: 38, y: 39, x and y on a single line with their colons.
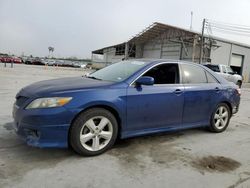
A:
x: 93, y: 132
x: 220, y: 118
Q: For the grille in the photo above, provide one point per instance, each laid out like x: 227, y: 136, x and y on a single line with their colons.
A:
x: 21, y: 100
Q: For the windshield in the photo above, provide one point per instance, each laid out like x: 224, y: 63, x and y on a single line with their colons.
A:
x: 118, y: 71
x: 229, y: 70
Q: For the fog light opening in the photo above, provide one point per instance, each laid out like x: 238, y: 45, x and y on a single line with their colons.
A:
x: 33, y: 133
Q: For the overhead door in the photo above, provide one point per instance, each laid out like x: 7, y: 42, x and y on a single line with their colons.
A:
x: 171, y: 51
x: 236, y: 62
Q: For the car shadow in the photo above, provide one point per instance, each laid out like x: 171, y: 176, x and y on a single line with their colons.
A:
x: 157, y: 137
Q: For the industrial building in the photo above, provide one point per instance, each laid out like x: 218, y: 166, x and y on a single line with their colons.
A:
x: 163, y: 41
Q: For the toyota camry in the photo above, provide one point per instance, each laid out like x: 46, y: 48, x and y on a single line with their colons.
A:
x: 126, y: 99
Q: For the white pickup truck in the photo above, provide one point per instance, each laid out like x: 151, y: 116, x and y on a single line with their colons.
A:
x: 226, y: 72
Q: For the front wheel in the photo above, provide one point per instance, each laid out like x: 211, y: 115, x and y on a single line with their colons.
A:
x: 220, y: 118
x: 93, y: 132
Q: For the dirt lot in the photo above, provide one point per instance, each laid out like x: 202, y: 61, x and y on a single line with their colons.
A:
x: 192, y: 158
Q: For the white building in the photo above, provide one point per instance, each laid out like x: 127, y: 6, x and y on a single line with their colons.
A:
x: 163, y: 41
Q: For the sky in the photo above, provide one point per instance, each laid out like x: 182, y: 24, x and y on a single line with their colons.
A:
x: 77, y: 27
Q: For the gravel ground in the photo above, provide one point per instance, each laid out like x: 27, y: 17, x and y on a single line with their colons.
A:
x: 192, y: 158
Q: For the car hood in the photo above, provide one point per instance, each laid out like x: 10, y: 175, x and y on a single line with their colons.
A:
x: 48, y: 87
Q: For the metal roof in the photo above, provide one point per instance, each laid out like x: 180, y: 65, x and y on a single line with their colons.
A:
x: 100, y: 51
x: 156, y: 29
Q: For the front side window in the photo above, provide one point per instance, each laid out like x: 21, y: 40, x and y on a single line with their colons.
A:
x: 164, y: 74
x: 193, y: 74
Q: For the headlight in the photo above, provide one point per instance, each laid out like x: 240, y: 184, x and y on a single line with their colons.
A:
x: 49, y: 102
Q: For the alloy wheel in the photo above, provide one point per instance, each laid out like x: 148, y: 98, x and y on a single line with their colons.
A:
x: 96, y: 133
x: 221, y: 117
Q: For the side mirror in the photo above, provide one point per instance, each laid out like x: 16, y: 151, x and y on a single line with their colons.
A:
x: 145, y: 80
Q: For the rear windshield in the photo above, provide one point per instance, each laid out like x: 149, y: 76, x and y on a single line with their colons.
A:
x: 214, y: 68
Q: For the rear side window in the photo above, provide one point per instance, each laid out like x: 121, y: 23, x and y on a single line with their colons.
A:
x: 193, y: 74
x: 164, y: 74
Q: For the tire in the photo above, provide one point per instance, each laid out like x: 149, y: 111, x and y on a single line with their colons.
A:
x: 239, y: 83
x: 220, y: 118
x: 97, y: 128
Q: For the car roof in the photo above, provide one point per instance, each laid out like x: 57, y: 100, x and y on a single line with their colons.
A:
x: 151, y: 62
x: 156, y: 61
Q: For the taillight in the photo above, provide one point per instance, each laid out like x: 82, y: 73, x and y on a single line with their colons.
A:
x: 238, y: 91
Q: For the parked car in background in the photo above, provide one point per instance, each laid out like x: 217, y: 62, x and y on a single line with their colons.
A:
x: 10, y: 59
x: 89, y: 65
x: 59, y: 63
x: 28, y: 61
x: 50, y: 62
x: 37, y: 61
x: 16, y: 60
x: 53, y: 62
x: 126, y: 99
x: 5, y: 59
x: 79, y: 65
x: 227, y: 73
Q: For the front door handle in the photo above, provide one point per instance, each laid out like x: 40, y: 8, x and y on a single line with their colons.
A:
x: 178, y: 91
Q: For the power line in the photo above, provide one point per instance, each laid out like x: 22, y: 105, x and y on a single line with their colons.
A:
x: 230, y: 28
x: 230, y: 24
x: 227, y: 28
x: 231, y: 32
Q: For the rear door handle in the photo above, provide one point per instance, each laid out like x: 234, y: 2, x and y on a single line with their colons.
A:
x: 178, y: 91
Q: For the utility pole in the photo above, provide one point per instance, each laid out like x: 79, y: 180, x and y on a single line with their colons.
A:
x: 191, y: 23
x: 202, y: 39
x: 126, y: 51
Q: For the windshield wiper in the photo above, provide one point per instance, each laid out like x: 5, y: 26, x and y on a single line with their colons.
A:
x: 92, y: 77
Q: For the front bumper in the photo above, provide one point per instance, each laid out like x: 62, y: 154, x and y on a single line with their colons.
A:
x: 43, y: 127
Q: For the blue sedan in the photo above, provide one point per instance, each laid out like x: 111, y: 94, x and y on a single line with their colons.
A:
x: 126, y: 99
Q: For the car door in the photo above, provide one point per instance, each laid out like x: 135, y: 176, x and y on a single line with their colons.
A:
x: 156, y: 106
x: 200, y: 96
